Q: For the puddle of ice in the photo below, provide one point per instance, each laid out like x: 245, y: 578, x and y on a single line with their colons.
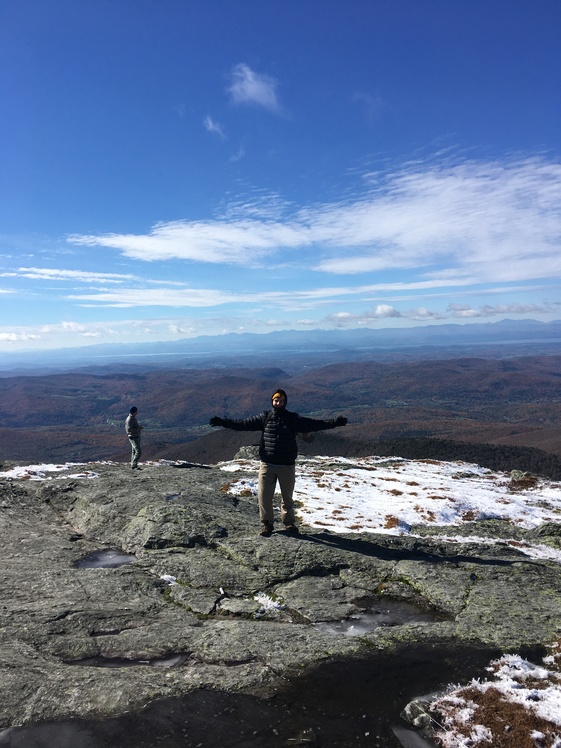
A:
x: 351, y: 703
x: 381, y: 613
x: 116, y: 662
x: 107, y: 559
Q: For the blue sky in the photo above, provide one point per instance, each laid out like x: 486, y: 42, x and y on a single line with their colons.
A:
x: 173, y: 168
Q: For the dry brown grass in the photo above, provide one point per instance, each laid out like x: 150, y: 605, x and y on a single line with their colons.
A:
x: 507, y: 723
x: 511, y: 725
x: 521, y: 482
x: 391, y: 522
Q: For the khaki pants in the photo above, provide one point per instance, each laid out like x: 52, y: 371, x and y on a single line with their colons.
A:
x: 136, y: 450
x: 268, y: 476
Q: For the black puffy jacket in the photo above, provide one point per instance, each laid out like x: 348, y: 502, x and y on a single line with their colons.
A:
x: 278, y: 441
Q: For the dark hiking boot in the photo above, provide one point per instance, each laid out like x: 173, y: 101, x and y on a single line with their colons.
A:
x: 267, y: 530
x: 293, y: 529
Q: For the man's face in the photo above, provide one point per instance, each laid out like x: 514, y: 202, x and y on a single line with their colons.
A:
x: 278, y: 401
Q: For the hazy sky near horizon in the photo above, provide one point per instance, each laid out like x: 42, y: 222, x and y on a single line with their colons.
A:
x: 171, y: 168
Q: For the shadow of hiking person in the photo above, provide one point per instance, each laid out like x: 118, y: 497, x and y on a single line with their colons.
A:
x: 392, y: 548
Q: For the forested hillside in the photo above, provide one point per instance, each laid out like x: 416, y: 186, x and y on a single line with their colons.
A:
x: 74, y: 416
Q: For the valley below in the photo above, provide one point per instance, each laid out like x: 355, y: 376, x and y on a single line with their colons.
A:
x: 511, y: 404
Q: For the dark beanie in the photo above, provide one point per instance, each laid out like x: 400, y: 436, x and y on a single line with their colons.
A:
x: 133, y: 410
x: 280, y: 392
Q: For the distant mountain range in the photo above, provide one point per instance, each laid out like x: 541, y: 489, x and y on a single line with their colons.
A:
x: 317, y: 346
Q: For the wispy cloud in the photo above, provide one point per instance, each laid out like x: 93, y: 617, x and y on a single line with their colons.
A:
x: 453, y: 312
x: 172, y: 328
x: 53, y: 274
x: 163, y: 296
x: 238, y: 155
x: 373, y: 106
x: 18, y: 337
x: 213, y: 126
x: 465, y: 311
x: 184, y: 295
x: 127, y: 330
x: 486, y: 220
x: 472, y: 222
x: 250, y: 87
x: 382, y: 312
x: 240, y: 242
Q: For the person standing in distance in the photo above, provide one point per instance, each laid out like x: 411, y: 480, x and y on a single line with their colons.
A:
x: 134, y: 430
x: 278, y: 451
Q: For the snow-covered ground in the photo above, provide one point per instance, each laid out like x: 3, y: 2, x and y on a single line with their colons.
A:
x: 48, y: 472
x: 377, y: 494
x: 392, y: 495
x: 519, y: 706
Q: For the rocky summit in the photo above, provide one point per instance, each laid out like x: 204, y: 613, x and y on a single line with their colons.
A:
x: 122, y: 588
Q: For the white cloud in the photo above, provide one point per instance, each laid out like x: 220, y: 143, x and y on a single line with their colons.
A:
x: 423, y: 314
x: 213, y: 126
x: 242, y: 242
x: 52, y: 274
x: 173, y: 295
x: 457, y: 224
x: 171, y: 328
x: 452, y: 312
x: 84, y: 331
x: 488, y: 220
x: 249, y: 87
x: 165, y: 297
x: 238, y: 155
x: 175, y: 329
x: 122, y: 330
x: 489, y: 310
x: 14, y: 337
x: 381, y: 311
x: 385, y: 311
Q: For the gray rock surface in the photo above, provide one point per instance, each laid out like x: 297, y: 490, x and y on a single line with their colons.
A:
x: 207, y: 603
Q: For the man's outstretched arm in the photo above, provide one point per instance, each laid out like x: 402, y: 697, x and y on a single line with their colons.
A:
x: 305, y: 425
x: 244, y: 424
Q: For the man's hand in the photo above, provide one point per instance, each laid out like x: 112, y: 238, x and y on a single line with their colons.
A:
x: 215, y: 421
x: 341, y: 421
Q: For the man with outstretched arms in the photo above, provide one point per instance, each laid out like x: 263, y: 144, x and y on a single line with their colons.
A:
x: 278, y: 451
